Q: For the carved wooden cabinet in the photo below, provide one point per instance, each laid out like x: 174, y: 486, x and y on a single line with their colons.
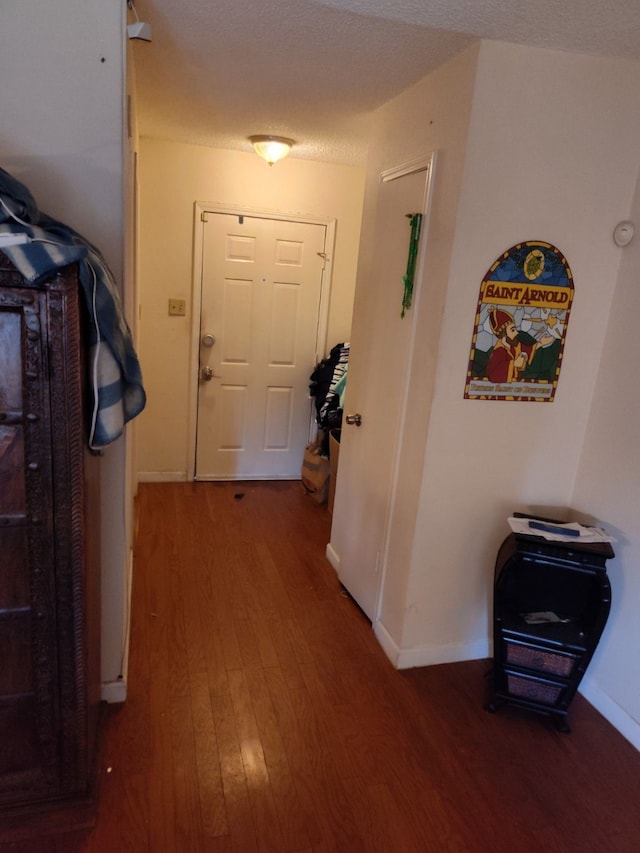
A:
x: 49, y: 566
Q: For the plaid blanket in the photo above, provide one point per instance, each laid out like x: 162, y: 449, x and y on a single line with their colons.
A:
x: 48, y: 245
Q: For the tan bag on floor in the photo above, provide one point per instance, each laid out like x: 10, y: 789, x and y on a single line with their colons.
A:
x: 315, y: 473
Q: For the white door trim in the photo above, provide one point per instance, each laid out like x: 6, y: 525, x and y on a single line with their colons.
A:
x: 199, y: 209
x: 420, y: 164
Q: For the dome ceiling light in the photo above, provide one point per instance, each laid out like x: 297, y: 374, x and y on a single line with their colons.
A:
x: 271, y: 148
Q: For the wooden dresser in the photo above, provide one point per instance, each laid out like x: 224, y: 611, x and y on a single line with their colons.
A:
x: 49, y: 560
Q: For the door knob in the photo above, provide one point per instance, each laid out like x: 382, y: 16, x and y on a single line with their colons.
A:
x: 208, y: 340
x: 354, y: 420
x: 206, y: 373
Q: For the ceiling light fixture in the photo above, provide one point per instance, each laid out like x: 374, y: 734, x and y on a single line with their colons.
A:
x: 271, y: 148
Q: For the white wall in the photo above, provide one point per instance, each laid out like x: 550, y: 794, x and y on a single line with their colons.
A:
x: 61, y: 135
x: 419, y: 121
x: 61, y: 129
x: 172, y: 178
x: 608, y: 488
x: 552, y: 154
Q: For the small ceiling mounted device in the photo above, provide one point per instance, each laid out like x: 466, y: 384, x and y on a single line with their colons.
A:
x: 139, y: 29
x: 271, y: 148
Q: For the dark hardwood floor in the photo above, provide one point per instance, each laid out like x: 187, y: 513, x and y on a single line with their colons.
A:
x: 263, y: 716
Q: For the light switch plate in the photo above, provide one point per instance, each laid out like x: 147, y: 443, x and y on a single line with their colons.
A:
x: 177, y: 307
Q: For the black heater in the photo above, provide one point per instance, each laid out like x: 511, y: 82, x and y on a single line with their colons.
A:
x: 550, y: 605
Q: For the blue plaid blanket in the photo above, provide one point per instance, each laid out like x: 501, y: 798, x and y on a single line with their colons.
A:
x: 48, y: 245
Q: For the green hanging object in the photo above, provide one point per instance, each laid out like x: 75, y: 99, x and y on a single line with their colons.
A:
x: 408, y: 277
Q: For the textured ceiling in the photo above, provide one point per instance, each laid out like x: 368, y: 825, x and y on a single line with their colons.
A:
x: 220, y: 70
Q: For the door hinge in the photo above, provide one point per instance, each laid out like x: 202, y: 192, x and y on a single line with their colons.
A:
x: 204, y: 216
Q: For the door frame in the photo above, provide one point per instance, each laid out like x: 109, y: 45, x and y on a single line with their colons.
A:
x: 200, y: 209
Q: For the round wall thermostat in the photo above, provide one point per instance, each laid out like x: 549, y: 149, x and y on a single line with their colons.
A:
x: 623, y: 233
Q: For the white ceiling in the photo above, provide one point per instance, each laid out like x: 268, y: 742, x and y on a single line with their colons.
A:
x: 220, y: 70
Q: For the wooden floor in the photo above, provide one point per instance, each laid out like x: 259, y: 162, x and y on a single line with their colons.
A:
x: 263, y: 716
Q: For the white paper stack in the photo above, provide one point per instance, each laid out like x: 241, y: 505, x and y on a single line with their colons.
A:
x: 570, y: 531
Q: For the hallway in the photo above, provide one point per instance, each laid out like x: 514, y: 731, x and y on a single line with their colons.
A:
x: 263, y: 715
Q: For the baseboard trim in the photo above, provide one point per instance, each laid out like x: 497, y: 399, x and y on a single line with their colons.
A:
x: 124, y: 668
x: 162, y: 476
x: 114, y: 692
x: 389, y: 646
x: 611, y: 711
x: 428, y: 655
x: 628, y: 727
x: 333, y: 557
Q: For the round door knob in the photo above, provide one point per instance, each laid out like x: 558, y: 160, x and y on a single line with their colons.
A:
x: 207, y: 373
x: 354, y: 420
x: 208, y: 340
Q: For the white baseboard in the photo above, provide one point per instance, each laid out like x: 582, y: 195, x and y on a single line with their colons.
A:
x: 124, y: 667
x: 333, y: 557
x: 114, y: 691
x: 390, y: 648
x: 428, y: 655
x: 611, y: 711
x: 628, y: 727
x: 162, y: 476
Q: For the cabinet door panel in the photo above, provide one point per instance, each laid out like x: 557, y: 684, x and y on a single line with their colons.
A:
x: 14, y: 581
x: 10, y: 366
x: 15, y: 654
x: 20, y: 752
x: 12, y: 494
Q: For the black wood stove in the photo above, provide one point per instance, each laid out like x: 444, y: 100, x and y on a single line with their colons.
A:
x: 551, y: 603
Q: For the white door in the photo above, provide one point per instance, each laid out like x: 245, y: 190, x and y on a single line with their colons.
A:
x: 381, y: 344
x: 261, y: 289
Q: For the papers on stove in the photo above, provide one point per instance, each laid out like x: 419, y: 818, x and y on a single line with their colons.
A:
x: 559, y: 532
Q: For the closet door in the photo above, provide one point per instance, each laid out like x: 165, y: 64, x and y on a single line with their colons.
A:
x: 380, y: 359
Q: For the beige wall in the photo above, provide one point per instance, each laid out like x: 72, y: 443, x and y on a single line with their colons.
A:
x: 413, y: 125
x: 550, y: 153
x: 172, y: 178
x: 61, y: 135
x: 608, y: 488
